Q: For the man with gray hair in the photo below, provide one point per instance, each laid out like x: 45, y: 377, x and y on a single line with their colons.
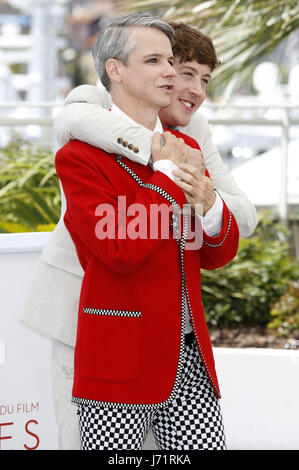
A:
x: 117, y: 42
x: 134, y: 364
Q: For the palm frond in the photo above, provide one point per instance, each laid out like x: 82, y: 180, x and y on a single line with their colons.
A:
x: 29, y: 188
x: 242, y: 32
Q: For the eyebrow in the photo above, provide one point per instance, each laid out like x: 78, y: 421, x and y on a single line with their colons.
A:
x: 195, y: 70
x: 158, y: 55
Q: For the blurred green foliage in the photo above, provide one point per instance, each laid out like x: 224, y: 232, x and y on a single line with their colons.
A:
x: 29, y: 188
x: 253, y: 287
x: 285, y: 311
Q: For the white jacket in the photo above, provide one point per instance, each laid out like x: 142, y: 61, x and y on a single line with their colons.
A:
x: 52, y: 302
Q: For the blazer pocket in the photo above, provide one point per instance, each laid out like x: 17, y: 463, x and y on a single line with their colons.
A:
x: 119, y: 313
x: 110, y: 344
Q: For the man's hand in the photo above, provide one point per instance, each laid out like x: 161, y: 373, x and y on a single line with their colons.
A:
x: 174, y: 148
x: 198, y: 188
x: 195, y: 158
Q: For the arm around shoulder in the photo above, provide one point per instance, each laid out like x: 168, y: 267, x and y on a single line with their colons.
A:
x: 84, y: 118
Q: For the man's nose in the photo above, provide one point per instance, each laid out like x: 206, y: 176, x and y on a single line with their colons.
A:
x: 169, y: 71
x: 197, y: 88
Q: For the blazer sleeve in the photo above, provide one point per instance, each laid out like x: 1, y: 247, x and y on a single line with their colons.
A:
x: 89, y: 191
x: 218, y: 251
x: 84, y: 117
x: 222, y: 180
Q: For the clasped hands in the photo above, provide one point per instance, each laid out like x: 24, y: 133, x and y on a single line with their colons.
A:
x: 197, y: 187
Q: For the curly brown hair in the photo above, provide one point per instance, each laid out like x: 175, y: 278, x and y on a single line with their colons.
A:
x: 190, y: 44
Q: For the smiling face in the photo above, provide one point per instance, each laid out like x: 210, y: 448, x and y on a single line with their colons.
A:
x: 188, y: 93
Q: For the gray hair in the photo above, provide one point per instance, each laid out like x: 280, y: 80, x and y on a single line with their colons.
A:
x: 115, y: 41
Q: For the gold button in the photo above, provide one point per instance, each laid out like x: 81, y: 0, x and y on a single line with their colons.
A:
x: 125, y: 143
x: 130, y: 146
x: 136, y: 149
x: 120, y: 140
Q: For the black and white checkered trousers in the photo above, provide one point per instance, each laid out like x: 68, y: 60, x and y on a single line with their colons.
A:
x: 192, y: 421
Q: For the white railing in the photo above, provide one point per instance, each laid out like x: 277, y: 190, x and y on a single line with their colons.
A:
x: 283, y: 123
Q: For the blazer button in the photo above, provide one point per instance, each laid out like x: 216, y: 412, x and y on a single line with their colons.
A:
x: 131, y: 146
x: 136, y: 149
x: 120, y: 140
x: 125, y: 143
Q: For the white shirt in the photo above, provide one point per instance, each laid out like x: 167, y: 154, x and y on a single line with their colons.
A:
x: 211, y: 221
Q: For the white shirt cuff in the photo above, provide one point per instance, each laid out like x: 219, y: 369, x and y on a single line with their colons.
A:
x: 166, y: 166
x: 212, y: 221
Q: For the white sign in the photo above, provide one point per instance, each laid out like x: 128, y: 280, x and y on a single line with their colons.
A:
x: 27, y: 420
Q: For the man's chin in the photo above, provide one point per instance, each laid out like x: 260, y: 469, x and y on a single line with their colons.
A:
x: 183, y: 122
x: 164, y: 102
x: 174, y: 120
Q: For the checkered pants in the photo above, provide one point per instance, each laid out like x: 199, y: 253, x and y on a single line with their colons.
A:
x: 191, y: 421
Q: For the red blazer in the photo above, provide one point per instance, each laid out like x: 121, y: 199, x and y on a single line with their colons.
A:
x: 130, y: 335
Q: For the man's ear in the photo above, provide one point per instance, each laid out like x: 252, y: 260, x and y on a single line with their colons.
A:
x: 113, y: 69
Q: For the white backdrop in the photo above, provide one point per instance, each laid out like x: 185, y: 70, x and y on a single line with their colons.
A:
x: 26, y: 412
